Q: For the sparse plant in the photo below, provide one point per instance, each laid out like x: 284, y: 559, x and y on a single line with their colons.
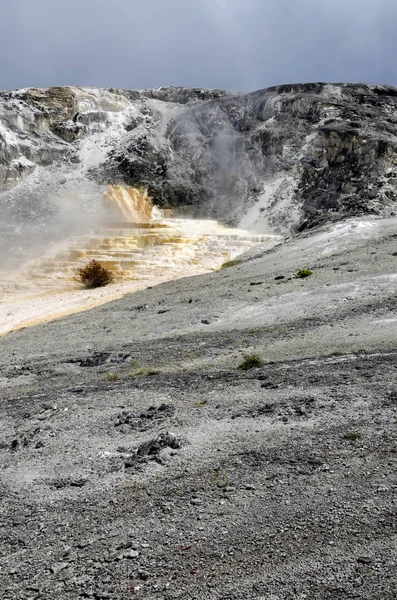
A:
x: 200, y: 403
x: 94, y: 275
x: 302, y: 273
x: 231, y: 263
x: 144, y: 371
x: 251, y: 361
x: 112, y: 376
x: 352, y: 436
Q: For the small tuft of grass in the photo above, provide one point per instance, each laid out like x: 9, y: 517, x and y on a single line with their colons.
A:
x: 352, y: 436
x: 251, y: 361
x: 302, y: 273
x: 231, y: 263
x: 112, y: 376
x: 143, y: 371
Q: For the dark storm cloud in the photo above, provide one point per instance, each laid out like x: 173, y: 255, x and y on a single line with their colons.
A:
x: 234, y: 44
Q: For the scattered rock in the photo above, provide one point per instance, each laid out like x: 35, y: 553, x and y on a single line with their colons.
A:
x: 145, y: 420
x: 151, y: 449
x: 164, y: 440
x: 67, y: 482
x: 97, y: 359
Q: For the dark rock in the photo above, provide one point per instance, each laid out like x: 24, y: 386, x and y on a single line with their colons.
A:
x: 68, y: 482
x: 97, y: 359
x: 119, y: 358
x: 364, y: 560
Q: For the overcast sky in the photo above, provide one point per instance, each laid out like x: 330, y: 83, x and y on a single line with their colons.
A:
x: 233, y: 44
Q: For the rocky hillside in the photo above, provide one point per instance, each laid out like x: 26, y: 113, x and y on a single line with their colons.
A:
x: 283, y: 158
x: 137, y: 460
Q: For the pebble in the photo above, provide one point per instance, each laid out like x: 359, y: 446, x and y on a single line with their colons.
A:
x: 131, y: 554
x: 195, y: 501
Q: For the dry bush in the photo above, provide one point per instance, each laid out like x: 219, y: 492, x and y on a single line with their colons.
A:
x: 94, y: 275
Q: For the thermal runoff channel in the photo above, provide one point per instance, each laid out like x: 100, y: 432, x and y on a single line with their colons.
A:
x: 140, y: 244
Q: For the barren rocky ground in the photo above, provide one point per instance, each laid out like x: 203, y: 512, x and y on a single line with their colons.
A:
x: 138, y: 461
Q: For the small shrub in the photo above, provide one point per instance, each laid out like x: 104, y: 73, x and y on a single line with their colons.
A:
x: 94, y: 275
x: 302, y: 273
x: 251, y: 361
x: 352, y: 436
x: 231, y: 263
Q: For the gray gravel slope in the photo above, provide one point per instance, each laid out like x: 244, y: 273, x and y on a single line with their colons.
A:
x: 137, y: 461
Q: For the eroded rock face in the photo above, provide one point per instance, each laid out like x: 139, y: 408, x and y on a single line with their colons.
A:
x: 285, y: 158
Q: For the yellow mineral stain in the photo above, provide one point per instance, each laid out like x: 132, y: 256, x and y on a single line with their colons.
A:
x: 58, y: 315
x: 142, y: 246
x: 134, y: 204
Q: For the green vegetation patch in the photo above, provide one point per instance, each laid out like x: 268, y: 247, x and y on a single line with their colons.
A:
x: 231, y: 263
x: 251, y: 361
x: 143, y: 371
x: 303, y: 273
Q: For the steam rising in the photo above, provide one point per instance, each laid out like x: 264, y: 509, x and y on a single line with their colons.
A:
x: 49, y: 192
x: 56, y: 157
